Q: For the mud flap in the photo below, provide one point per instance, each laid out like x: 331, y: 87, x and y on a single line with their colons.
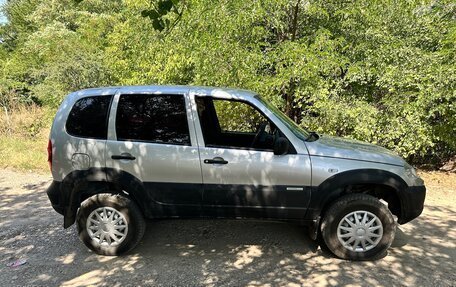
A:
x: 313, y: 228
x: 69, y: 217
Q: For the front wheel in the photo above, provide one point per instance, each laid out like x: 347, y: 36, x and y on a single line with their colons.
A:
x: 110, y: 224
x: 358, y: 227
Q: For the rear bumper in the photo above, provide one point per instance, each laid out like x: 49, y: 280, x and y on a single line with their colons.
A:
x: 412, y: 203
x: 55, y: 196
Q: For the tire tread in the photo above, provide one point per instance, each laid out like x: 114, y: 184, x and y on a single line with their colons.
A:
x: 134, y: 212
x: 338, y: 207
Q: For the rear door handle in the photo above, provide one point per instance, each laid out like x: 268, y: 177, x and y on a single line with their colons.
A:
x: 215, y: 160
x: 124, y: 156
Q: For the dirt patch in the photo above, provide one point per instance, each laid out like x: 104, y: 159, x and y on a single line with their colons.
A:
x: 441, y: 187
x: 217, y: 252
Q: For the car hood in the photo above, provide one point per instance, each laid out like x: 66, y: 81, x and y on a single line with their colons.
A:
x: 337, y: 147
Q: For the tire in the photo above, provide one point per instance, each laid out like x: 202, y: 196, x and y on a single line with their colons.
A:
x: 122, y: 224
x: 337, y: 231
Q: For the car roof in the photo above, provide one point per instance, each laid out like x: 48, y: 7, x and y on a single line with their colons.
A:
x: 168, y: 89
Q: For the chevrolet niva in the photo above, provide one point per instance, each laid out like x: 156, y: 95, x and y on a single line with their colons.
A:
x: 119, y: 155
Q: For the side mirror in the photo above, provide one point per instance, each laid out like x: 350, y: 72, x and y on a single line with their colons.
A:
x: 281, y: 146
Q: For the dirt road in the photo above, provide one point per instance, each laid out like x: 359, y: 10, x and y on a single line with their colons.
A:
x: 217, y: 252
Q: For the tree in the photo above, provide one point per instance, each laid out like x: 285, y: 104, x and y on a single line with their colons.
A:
x: 378, y: 71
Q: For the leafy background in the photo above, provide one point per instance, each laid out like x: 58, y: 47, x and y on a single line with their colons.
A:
x: 377, y: 71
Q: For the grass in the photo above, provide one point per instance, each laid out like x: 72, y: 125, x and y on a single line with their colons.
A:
x: 24, y: 132
x: 25, y: 154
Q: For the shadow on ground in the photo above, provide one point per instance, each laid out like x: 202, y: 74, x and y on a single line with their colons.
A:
x: 212, y: 252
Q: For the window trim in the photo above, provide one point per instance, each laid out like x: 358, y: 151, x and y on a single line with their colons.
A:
x: 149, y: 141
x: 240, y: 148
x: 291, y: 149
x: 108, y: 113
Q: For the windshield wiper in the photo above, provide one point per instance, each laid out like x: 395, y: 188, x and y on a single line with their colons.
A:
x: 313, y: 136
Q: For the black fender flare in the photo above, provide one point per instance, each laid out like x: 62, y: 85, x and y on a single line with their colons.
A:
x: 333, y: 187
x: 100, y: 180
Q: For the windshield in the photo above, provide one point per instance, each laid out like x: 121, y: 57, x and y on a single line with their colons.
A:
x: 297, y: 130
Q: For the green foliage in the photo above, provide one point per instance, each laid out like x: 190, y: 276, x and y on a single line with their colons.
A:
x: 160, y: 9
x: 379, y: 71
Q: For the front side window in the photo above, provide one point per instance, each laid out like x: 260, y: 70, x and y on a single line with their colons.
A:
x: 237, y: 116
x: 89, y: 117
x: 152, y: 118
x: 295, y: 129
x: 235, y: 124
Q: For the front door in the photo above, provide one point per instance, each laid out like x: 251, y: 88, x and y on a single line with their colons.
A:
x: 151, y: 139
x: 242, y: 177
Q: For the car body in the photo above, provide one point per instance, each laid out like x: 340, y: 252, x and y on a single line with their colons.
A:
x: 185, y: 152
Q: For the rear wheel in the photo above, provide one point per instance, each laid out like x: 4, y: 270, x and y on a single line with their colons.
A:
x: 358, y: 227
x: 110, y: 224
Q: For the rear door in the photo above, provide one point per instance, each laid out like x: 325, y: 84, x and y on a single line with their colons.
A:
x: 151, y: 139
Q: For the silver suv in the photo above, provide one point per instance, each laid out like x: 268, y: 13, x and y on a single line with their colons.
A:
x: 122, y: 154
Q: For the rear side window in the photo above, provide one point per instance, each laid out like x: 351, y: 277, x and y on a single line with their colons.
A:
x: 89, y: 117
x: 152, y: 118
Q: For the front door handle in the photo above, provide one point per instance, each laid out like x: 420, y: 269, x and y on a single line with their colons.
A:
x: 215, y: 160
x: 125, y: 156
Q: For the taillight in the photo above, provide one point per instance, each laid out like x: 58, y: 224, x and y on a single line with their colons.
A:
x: 50, y: 154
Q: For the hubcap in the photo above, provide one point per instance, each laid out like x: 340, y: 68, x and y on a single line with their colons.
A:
x: 360, y: 231
x: 107, y: 226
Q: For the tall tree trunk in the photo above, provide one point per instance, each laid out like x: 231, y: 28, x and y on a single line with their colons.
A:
x: 289, y: 110
x: 294, y: 21
x: 288, y: 91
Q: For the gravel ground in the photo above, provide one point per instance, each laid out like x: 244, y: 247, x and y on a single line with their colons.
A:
x: 216, y: 252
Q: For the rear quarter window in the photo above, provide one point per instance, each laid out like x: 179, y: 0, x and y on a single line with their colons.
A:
x: 89, y: 117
